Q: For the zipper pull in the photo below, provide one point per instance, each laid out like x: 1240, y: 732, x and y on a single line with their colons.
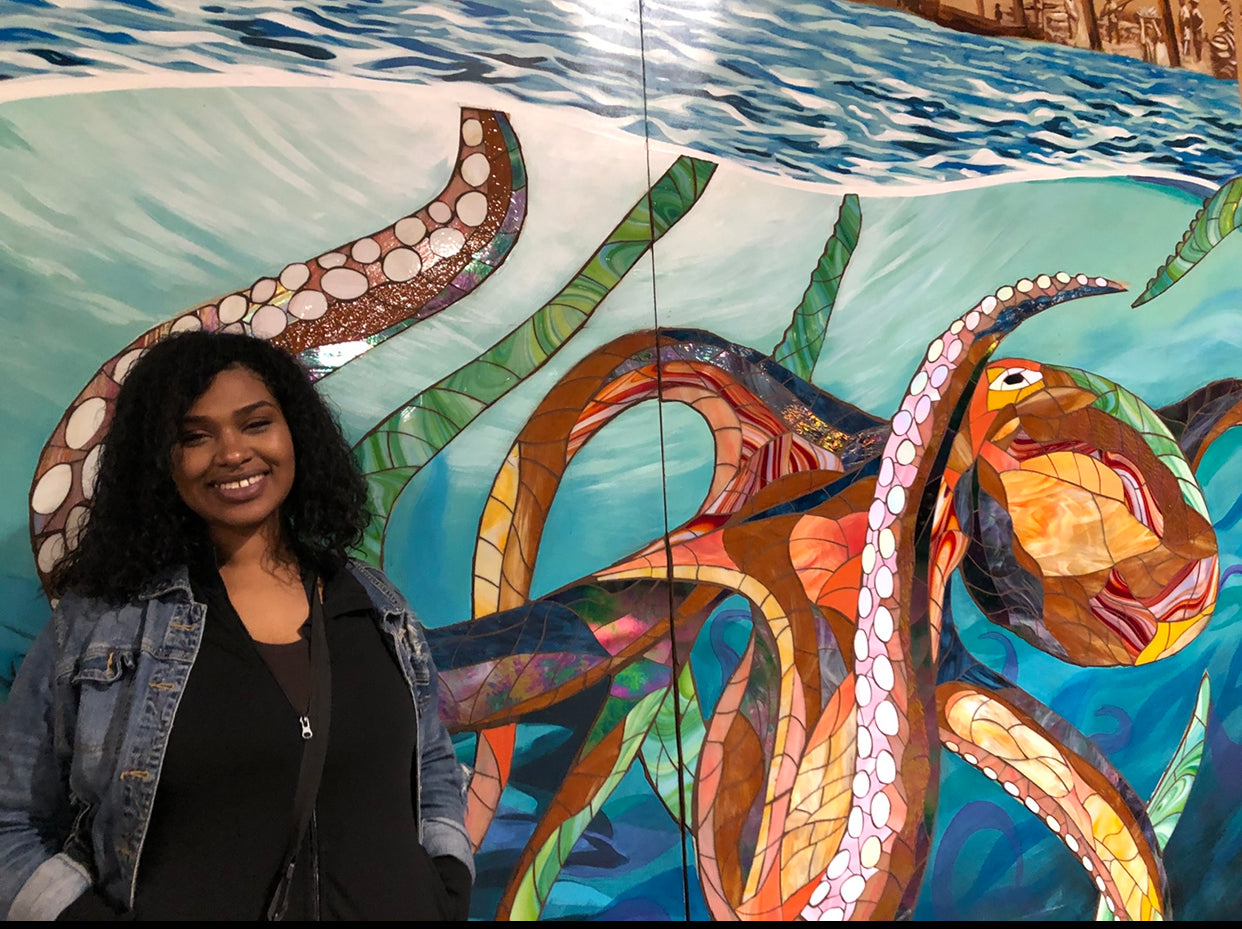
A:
x: 306, y: 727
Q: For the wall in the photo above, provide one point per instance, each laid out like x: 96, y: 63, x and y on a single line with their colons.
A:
x: 831, y: 187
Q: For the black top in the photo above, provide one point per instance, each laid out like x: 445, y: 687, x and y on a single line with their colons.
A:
x: 224, y: 803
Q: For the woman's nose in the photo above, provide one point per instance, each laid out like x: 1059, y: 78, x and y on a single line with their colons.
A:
x: 233, y: 447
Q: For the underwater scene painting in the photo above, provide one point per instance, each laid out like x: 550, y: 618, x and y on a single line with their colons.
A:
x: 804, y: 430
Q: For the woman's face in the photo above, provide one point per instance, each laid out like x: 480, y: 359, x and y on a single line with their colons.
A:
x: 233, y: 460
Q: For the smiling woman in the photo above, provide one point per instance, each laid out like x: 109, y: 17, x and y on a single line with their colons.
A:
x: 214, y: 639
x: 233, y: 462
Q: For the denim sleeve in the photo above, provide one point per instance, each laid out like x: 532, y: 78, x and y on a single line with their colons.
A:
x: 441, y: 784
x: 36, y: 880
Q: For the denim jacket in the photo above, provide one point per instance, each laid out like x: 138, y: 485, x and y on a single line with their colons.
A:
x: 83, y: 734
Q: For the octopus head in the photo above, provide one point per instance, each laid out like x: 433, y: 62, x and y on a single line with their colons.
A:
x: 1087, y: 534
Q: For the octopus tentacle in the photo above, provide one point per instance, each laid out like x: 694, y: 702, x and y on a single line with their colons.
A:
x: 877, y: 859
x: 328, y: 310
x: 754, y: 445
x: 1106, y: 828
x: 1204, y: 416
x: 728, y: 736
x: 757, y: 440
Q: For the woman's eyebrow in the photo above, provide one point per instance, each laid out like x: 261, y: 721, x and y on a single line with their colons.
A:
x: 242, y: 411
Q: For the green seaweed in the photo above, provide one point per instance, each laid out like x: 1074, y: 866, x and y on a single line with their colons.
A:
x: 1169, y: 798
x: 800, y: 346
x: 671, y: 772
x: 399, y: 446
x: 1220, y: 215
x: 535, y: 883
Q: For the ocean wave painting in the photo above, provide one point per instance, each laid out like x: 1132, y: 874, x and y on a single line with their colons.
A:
x: 762, y: 580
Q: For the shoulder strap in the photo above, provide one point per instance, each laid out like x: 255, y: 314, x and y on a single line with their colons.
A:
x: 314, y: 751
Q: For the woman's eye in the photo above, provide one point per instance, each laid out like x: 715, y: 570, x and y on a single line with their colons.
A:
x: 1015, y: 379
x: 256, y: 425
x: 189, y: 439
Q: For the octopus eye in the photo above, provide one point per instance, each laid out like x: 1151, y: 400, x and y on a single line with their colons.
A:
x: 1015, y: 379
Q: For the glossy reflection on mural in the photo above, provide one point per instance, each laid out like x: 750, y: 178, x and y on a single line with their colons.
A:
x: 764, y: 582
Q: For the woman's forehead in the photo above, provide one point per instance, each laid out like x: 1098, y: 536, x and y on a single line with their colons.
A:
x: 232, y: 390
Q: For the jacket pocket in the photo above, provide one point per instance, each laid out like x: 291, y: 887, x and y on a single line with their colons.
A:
x: 103, y: 668
x: 103, y: 687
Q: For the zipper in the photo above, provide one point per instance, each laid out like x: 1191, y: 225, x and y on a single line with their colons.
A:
x: 304, y: 721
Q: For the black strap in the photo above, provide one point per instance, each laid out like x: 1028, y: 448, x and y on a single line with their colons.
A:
x: 314, y: 751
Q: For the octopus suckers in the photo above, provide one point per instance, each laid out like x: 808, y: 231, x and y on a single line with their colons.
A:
x: 883, y: 624
x: 294, y: 276
x: 263, y: 290
x: 410, y: 231
x: 860, y: 645
x: 837, y: 867
x: 886, y: 719
x: 365, y: 251
x: 885, y: 767
x: 862, y: 692
x: 881, y: 809
x: 862, y: 784
x: 52, y: 489
x: 472, y: 132
x: 882, y: 671
x: 475, y: 169
x: 853, y: 887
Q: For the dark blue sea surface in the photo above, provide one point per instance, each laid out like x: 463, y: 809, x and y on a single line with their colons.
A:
x: 817, y: 90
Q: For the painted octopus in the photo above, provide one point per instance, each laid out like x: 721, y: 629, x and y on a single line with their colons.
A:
x: 860, y: 697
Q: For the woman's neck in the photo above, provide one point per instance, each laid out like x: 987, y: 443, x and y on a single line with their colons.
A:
x: 265, y: 552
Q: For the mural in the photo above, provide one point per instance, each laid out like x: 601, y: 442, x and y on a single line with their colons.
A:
x: 763, y: 580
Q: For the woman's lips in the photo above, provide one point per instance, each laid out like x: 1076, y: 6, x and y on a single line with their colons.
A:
x: 242, y: 489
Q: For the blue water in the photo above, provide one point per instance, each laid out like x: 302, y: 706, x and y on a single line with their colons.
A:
x: 813, y: 90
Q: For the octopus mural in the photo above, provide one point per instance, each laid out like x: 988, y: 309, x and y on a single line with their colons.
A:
x: 809, y: 781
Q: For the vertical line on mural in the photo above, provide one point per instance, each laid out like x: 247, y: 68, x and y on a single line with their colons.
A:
x: 674, y: 656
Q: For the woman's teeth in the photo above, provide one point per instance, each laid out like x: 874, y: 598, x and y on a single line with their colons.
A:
x: 238, y: 485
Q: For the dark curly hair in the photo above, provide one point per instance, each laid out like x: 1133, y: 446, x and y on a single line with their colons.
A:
x: 139, y: 525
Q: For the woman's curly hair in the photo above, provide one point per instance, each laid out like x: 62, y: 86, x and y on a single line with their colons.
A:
x: 139, y: 526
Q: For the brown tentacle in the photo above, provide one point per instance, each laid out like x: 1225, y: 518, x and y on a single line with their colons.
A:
x: 1204, y: 416
x: 1079, y: 804
x: 368, y: 287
